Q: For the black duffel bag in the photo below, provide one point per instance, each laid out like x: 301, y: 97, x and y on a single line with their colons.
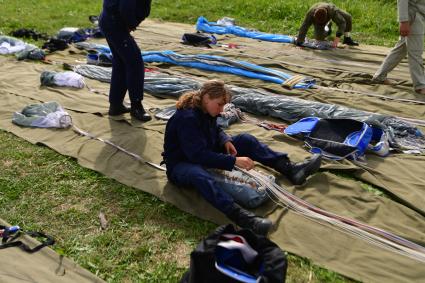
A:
x: 208, y: 263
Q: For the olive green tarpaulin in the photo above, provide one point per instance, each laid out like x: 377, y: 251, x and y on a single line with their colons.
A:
x: 401, y: 175
x: 45, y: 265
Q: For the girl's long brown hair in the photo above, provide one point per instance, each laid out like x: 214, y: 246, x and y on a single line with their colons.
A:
x: 214, y: 88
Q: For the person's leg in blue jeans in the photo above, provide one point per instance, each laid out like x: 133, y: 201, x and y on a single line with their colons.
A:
x: 249, y: 146
x: 193, y: 175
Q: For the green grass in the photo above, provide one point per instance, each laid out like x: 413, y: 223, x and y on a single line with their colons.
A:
x: 146, y: 240
x: 46, y: 15
x: 374, y: 21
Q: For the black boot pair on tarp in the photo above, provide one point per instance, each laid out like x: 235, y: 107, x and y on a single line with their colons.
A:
x: 136, y: 111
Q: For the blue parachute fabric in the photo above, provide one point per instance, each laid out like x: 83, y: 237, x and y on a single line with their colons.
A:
x: 305, y: 125
x: 223, y: 65
x: 211, y: 63
x: 93, y: 46
x: 212, y: 27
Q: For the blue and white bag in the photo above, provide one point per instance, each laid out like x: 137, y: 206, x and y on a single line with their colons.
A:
x: 340, y: 138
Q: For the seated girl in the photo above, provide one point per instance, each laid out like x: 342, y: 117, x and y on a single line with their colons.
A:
x: 194, y: 143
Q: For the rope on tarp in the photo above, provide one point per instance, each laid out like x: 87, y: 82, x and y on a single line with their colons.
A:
x: 369, y: 94
x: 52, y: 115
x: 108, y: 142
x: 368, y: 233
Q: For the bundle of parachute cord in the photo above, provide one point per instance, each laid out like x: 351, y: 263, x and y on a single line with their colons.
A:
x: 370, y: 234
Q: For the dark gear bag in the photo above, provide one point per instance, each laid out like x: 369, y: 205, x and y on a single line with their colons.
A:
x: 55, y: 44
x: 270, y: 264
x: 29, y: 33
x: 198, y: 39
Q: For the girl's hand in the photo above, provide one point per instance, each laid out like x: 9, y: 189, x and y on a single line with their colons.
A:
x: 230, y: 148
x: 244, y: 163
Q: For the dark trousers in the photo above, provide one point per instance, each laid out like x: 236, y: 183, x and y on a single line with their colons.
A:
x: 194, y: 175
x: 128, y: 70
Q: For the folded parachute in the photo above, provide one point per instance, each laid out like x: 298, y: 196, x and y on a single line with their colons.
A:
x: 43, y: 115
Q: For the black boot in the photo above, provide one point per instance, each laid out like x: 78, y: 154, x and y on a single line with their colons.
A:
x: 349, y: 41
x: 137, y: 111
x: 248, y: 220
x: 297, y: 173
x: 119, y: 109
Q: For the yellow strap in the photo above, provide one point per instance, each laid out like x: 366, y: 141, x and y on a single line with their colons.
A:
x: 291, y: 82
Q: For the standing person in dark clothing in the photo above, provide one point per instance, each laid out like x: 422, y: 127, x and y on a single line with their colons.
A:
x: 193, y: 143
x: 117, y: 20
x: 321, y: 16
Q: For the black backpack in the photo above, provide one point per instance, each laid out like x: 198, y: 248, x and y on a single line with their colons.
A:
x: 271, y: 260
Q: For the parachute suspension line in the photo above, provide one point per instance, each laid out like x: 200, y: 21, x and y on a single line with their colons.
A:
x: 370, y: 234
x: 134, y: 155
x: 370, y: 94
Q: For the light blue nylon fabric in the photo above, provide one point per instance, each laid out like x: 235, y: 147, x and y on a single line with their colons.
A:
x: 211, y: 27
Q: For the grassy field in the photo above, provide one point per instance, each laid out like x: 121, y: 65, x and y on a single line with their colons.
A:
x: 146, y: 239
x: 374, y: 21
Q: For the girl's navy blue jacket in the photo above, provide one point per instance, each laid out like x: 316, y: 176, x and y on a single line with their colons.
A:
x: 193, y: 136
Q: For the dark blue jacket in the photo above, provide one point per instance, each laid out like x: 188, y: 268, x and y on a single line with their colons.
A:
x: 193, y: 136
x: 129, y: 12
